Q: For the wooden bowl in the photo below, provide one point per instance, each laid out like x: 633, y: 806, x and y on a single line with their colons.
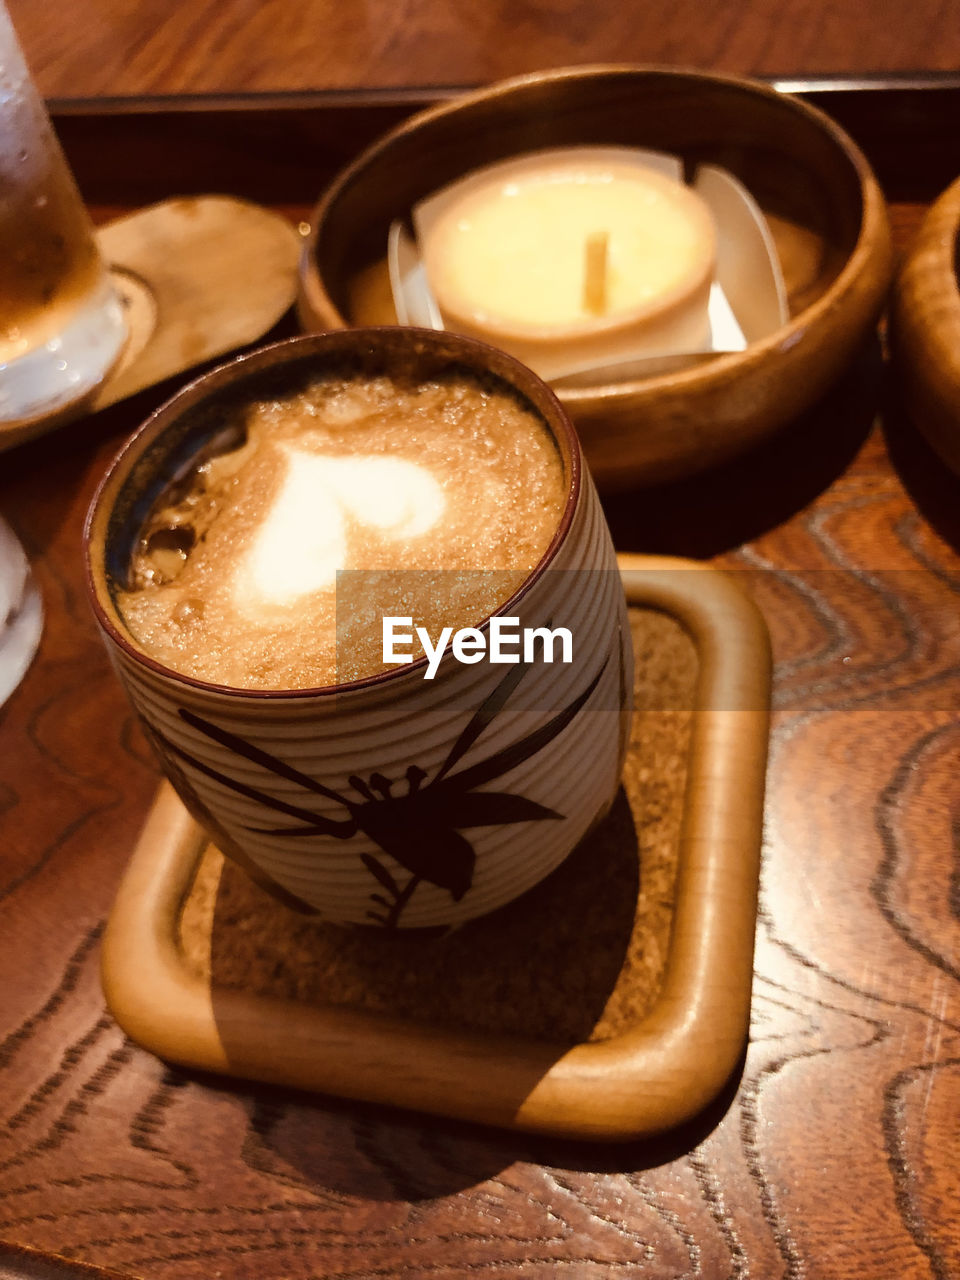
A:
x: 925, y: 328
x: 825, y: 208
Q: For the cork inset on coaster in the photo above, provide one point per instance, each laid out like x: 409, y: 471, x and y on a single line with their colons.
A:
x: 612, y: 1002
x: 580, y: 957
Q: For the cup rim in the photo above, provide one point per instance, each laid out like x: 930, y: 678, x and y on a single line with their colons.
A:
x: 485, y: 357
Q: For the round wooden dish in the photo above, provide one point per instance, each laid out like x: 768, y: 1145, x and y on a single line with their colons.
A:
x: 925, y: 328
x: 825, y: 208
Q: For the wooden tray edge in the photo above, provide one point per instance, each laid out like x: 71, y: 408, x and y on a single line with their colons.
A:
x: 655, y: 1076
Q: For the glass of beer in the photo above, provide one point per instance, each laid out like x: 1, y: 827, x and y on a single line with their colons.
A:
x: 61, y: 324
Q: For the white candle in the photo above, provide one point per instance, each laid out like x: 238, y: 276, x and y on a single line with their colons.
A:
x: 513, y: 251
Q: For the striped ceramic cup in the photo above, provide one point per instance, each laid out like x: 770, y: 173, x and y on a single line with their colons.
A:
x: 391, y: 800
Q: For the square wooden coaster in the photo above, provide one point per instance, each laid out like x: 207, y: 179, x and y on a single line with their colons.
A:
x: 611, y: 1002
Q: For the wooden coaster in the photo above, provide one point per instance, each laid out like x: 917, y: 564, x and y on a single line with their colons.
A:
x: 200, y: 276
x: 612, y: 1001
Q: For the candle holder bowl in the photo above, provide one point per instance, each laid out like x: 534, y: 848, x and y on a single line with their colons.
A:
x: 925, y: 328
x: 824, y: 206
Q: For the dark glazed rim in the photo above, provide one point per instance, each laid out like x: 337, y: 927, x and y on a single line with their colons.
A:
x: 469, y: 352
x: 873, y: 218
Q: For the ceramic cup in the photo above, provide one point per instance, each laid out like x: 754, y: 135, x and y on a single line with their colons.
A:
x: 281, y: 779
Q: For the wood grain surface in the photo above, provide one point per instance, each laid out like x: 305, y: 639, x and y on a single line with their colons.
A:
x: 835, y: 1156
x: 109, y: 47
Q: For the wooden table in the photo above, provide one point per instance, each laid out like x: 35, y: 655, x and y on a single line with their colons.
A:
x: 836, y: 1153
x: 102, y: 48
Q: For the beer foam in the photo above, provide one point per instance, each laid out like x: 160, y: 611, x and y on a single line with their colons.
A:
x: 445, y: 495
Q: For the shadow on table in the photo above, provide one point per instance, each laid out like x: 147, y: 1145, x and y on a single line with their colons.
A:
x: 545, y: 968
x: 754, y: 492
x: 541, y: 969
x: 331, y: 1147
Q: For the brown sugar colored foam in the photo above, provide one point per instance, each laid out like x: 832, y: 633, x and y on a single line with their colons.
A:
x: 445, y: 492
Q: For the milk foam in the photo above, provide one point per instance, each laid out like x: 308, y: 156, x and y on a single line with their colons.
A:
x: 441, y: 496
x: 306, y: 534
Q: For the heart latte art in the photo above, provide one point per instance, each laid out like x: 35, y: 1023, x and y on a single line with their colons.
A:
x: 444, y: 494
x: 305, y: 536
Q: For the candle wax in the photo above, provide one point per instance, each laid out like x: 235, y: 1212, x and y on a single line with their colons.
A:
x: 508, y: 252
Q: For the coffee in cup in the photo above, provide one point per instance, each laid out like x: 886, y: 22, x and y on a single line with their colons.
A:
x: 454, y: 486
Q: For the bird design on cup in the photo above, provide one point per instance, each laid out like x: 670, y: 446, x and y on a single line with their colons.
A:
x: 419, y: 828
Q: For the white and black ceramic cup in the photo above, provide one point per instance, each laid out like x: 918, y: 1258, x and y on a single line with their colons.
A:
x: 390, y: 800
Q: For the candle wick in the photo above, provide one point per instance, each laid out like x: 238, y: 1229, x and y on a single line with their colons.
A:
x: 595, y: 273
